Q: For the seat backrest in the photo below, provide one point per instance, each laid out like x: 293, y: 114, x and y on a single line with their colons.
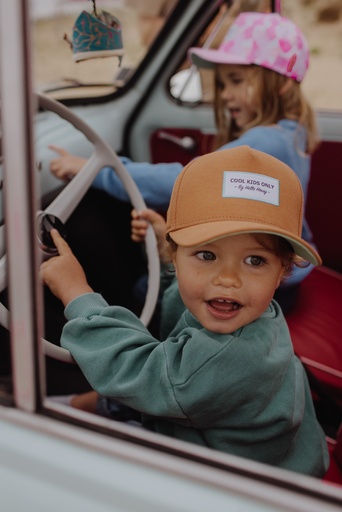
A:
x: 316, y: 328
x: 323, y: 207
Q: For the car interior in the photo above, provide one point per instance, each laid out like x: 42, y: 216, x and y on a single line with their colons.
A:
x: 152, y: 105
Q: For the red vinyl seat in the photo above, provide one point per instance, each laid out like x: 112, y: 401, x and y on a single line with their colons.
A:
x: 334, y: 473
x: 316, y: 328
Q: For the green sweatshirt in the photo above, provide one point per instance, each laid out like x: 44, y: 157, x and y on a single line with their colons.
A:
x: 243, y: 393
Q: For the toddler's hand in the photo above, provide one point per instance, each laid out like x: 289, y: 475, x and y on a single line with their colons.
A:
x: 140, y: 222
x: 63, y: 274
x: 66, y: 166
x: 139, y: 225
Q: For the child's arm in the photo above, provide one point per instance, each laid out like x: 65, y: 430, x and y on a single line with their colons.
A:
x: 66, y: 166
x: 63, y: 274
x: 139, y: 225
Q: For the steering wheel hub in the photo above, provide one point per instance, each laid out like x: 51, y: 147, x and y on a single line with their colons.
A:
x: 46, y: 222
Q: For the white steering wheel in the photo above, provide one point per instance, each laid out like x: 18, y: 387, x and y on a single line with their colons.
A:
x: 65, y: 203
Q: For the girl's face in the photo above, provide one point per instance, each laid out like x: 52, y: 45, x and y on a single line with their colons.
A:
x: 228, y: 283
x: 236, y: 93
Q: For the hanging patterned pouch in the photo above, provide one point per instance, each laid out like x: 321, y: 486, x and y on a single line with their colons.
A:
x: 96, y: 36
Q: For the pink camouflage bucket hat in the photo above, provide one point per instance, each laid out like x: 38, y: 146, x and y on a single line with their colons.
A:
x: 267, y: 40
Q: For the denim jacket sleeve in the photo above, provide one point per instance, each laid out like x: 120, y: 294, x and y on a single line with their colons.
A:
x: 155, y: 181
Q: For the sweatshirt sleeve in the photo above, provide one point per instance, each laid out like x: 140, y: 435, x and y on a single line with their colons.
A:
x: 118, y: 356
x: 122, y: 360
x: 155, y: 181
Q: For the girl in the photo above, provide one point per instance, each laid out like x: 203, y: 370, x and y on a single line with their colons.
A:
x: 258, y: 69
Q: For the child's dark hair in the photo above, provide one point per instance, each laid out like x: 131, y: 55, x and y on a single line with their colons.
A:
x: 282, y: 248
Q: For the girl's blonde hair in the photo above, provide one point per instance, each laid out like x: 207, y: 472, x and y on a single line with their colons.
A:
x: 274, y: 98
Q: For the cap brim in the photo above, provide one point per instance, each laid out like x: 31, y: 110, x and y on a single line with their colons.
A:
x: 203, y: 58
x: 204, y: 233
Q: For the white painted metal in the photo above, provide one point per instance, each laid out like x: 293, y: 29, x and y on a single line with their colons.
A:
x: 16, y: 117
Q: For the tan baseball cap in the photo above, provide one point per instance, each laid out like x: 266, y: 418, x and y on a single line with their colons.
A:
x: 235, y: 191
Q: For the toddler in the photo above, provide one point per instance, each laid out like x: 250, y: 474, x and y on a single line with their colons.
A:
x: 226, y: 377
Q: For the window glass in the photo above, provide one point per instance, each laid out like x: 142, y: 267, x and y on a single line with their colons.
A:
x: 55, y: 70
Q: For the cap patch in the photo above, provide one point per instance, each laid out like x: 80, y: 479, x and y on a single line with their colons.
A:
x: 245, y: 185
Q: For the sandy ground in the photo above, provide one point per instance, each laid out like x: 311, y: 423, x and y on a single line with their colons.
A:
x: 320, y: 20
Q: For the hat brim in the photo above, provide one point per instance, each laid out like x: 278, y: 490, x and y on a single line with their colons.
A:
x: 208, y: 232
x: 206, y: 58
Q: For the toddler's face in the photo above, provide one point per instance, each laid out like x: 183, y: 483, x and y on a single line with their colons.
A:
x: 228, y: 283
